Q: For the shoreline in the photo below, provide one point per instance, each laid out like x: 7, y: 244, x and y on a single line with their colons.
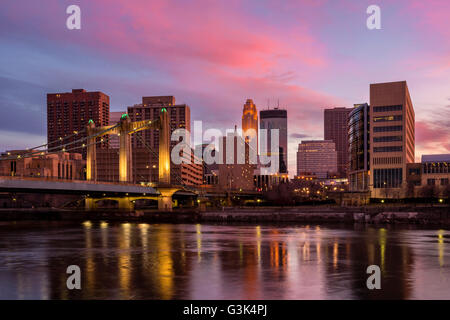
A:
x: 365, y: 215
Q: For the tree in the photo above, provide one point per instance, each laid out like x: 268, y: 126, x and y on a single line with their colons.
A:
x: 446, y: 192
x: 428, y: 191
x: 410, y: 189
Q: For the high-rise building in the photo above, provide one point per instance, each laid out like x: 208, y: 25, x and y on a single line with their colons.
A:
x: 392, y: 137
x: 317, y: 158
x: 145, y: 144
x: 68, y: 114
x: 250, y: 123
x: 335, y: 129
x: 275, y: 119
x: 358, y: 147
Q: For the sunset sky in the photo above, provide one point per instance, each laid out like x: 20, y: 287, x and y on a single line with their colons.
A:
x: 213, y: 55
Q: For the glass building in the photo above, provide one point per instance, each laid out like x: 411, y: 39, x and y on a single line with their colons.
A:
x: 358, y: 150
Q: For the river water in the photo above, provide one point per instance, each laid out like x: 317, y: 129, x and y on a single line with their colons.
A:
x: 189, y: 261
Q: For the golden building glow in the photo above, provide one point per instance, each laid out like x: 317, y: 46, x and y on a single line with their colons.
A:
x: 250, y: 122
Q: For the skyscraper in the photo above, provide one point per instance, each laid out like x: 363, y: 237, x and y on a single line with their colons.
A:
x: 276, y: 119
x: 392, y: 137
x: 68, y: 114
x: 250, y: 122
x: 317, y: 157
x: 335, y: 129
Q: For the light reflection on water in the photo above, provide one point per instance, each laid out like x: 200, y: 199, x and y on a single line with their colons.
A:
x: 204, y: 261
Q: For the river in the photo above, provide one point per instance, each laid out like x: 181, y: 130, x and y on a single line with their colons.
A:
x: 207, y: 261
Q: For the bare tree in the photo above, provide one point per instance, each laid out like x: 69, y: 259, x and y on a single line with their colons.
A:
x: 428, y: 191
x: 410, y: 189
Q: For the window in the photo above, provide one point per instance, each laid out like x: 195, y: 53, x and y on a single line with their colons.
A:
x: 388, y: 118
x: 387, y: 139
x: 388, y: 149
x: 387, y: 108
x: 387, y: 129
x: 431, y: 182
x: 444, y: 182
x: 388, y: 178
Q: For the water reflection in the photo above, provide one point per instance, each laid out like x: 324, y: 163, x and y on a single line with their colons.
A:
x: 162, y: 261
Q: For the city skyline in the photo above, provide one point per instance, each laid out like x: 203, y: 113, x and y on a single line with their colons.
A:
x: 324, y: 67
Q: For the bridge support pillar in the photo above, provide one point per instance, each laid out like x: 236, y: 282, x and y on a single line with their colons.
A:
x: 125, y: 204
x: 90, y: 204
x: 165, y: 198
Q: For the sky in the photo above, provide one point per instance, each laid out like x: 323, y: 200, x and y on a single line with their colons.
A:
x: 213, y: 55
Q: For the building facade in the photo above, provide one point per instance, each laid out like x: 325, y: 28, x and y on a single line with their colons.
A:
x: 210, y: 171
x: 335, y: 129
x: 145, y: 144
x: 358, y: 148
x: 436, y: 170
x: 61, y: 165
x: 235, y: 173
x: 275, y: 119
x: 250, y: 123
x: 317, y: 158
x: 429, y: 178
x: 392, y: 137
x: 68, y: 114
x: 265, y: 182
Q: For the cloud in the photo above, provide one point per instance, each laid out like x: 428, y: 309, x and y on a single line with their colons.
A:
x: 298, y: 135
x: 22, y: 106
x: 434, y: 136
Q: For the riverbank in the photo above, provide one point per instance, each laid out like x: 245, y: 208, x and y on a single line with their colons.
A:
x: 421, y: 215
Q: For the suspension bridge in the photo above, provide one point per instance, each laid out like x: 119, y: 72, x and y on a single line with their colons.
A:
x: 124, y: 192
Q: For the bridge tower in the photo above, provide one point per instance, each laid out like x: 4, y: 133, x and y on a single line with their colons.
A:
x: 164, y: 148
x: 124, y: 129
x: 125, y: 155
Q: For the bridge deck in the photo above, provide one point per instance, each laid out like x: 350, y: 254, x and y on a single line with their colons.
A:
x: 10, y: 184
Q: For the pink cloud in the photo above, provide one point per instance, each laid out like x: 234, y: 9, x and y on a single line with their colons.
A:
x: 432, y: 137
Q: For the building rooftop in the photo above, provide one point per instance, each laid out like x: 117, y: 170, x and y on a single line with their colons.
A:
x: 435, y: 158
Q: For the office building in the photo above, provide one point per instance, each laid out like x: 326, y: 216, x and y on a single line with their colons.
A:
x: 275, y: 119
x: 392, y: 137
x: 317, y: 158
x: 335, y: 129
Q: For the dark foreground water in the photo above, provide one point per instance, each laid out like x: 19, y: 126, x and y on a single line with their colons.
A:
x: 163, y: 261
